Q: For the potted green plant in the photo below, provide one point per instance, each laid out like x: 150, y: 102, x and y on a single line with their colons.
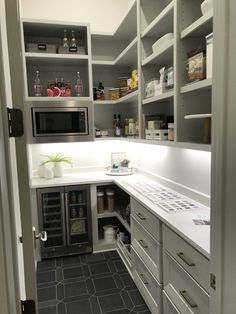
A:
x: 124, y: 164
x: 57, y: 160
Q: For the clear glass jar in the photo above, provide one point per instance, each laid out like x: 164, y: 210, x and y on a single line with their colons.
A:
x: 110, y: 200
x: 171, y: 132
x: 132, y: 127
x: 100, y: 201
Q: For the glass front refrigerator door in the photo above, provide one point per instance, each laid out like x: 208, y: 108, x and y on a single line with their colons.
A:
x: 78, y: 215
x: 52, y: 217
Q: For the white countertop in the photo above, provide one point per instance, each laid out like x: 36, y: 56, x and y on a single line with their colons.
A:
x: 181, y: 222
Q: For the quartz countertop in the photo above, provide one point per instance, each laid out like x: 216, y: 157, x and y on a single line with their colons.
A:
x: 181, y: 222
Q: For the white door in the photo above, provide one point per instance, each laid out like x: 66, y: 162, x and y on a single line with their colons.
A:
x: 16, y: 158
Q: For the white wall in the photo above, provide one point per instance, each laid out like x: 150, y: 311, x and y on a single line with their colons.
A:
x: 185, y: 168
x: 103, y: 15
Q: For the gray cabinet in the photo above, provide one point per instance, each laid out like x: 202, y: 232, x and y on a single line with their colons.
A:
x: 185, y: 275
x: 146, y: 255
x: 65, y: 214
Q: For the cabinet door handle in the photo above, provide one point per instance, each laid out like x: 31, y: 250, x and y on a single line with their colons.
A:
x: 140, y: 216
x: 144, y: 280
x: 143, y: 244
x: 188, y: 299
x: 185, y: 260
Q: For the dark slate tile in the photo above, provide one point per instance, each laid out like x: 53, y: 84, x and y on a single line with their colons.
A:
x: 140, y: 309
x: 79, y: 307
x: 71, y: 260
x: 120, y: 267
x: 99, y: 268
x: 46, y: 264
x: 125, y: 311
x: 48, y: 310
x: 104, y: 283
x: 136, y: 297
x: 58, y: 261
x: 46, y: 294
x: 111, y: 266
x: 95, y: 305
x: 111, y: 302
x: 74, y: 289
x: 91, y: 258
x: 126, y: 298
x: 86, y: 271
x: 106, y: 292
x: 114, y: 255
x: 127, y: 280
x: 60, y: 292
x: 118, y: 281
x: 90, y: 286
x: 72, y: 272
x: 61, y: 308
x: 46, y: 277
x: 59, y: 275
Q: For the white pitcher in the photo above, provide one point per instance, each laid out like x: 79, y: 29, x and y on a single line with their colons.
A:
x: 110, y: 232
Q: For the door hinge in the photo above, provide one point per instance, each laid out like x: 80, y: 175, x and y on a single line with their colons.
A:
x: 28, y: 307
x: 15, y: 122
x: 213, y: 281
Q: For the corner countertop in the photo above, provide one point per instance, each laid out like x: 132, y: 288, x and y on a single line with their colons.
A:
x: 181, y: 222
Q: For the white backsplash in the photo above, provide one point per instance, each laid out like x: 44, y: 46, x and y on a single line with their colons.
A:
x: 184, y: 167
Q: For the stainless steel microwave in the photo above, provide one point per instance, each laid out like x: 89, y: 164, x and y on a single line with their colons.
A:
x: 60, y: 121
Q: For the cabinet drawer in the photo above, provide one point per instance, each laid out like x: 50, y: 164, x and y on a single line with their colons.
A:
x: 149, y: 288
x: 148, y: 248
x: 184, y: 292
x: 189, y: 258
x: 168, y: 305
x: 147, y: 219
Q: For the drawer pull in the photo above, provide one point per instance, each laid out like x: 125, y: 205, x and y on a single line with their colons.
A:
x: 144, y: 280
x: 184, y: 259
x: 140, y: 216
x: 143, y: 244
x: 187, y: 298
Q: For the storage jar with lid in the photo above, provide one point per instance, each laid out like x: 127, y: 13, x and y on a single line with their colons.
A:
x: 100, y: 201
x: 110, y: 200
x: 171, y: 131
x: 110, y: 233
x: 132, y: 127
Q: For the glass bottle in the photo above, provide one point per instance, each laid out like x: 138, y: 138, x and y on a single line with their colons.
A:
x: 73, y: 39
x: 37, y: 85
x: 126, y: 127
x: 118, y: 127
x: 63, y: 88
x: 68, y: 89
x: 114, y: 124
x: 101, y: 95
x: 65, y: 39
x: 79, y: 86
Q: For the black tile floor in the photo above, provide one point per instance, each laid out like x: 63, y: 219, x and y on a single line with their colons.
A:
x: 87, y: 284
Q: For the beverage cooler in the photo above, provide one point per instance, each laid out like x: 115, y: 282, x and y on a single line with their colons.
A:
x: 65, y: 214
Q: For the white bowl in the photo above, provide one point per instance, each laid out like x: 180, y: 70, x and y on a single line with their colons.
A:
x: 161, y: 42
x: 207, y: 7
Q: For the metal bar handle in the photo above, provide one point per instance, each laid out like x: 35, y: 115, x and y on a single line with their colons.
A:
x: 143, y: 244
x: 140, y: 216
x: 188, y: 299
x: 64, y: 216
x: 144, y: 280
x: 67, y: 218
x: 185, y: 260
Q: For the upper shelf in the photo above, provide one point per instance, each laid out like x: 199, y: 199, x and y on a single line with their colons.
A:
x: 201, y: 27
x: 204, y: 84
x: 54, y: 58
x: 161, y: 56
x: 126, y: 99
x: 125, y: 58
x: 162, y: 24
x: 162, y: 97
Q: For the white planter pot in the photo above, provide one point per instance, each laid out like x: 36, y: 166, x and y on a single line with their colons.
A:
x: 48, y: 173
x: 58, y: 169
